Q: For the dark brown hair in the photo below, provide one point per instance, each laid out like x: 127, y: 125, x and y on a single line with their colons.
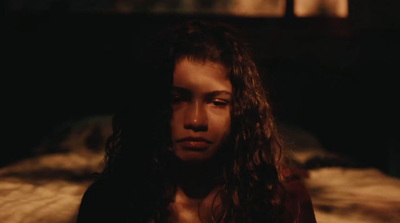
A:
x: 251, y: 190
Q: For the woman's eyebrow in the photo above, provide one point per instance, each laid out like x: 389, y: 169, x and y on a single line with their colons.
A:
x: 211, y: 93
x: 179, y: 89
x: 222, y: 92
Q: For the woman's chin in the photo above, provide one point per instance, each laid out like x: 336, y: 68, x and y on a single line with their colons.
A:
x: 193, y: 156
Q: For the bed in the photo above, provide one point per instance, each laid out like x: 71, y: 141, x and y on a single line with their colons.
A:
x: 48, y: 186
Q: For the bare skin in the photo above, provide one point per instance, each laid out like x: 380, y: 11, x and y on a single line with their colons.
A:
x: 195, y: 195
x: 200, y: 125
x: 201, y: 118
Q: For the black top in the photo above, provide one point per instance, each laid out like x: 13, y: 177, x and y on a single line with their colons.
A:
x: 105, y: 202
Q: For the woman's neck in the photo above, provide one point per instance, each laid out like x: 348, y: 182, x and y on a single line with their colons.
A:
x: 196, y: 196
x: 197, y: 180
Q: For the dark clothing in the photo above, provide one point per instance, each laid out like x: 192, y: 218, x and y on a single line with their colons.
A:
x: 104, y: 202
x: 300, y: 201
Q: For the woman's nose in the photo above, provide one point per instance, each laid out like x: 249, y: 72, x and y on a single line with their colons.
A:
x: 196, y: 117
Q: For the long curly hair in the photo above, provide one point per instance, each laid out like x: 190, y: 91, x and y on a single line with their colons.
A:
x: 137, y: 156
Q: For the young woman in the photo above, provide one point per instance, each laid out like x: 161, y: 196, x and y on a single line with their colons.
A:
x: 205, y: 148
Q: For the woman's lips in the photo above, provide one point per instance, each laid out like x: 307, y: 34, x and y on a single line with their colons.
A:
x: 194, y: 145
x: 191, y: 143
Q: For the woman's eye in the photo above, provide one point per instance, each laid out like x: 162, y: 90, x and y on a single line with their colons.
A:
x: 176, y: 99
x: 220, y: 103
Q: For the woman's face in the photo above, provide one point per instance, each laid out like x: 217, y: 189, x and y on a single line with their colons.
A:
x: 201, y: 104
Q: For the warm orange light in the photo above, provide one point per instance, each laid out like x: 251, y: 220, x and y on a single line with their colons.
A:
x: 265, y: 8
x: 258, y: 8
x: 321, y: 8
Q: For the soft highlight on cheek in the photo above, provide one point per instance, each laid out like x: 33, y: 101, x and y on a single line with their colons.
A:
x: 201, y: 109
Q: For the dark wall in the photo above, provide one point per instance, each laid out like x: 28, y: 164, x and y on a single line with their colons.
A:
x: 333, y: 77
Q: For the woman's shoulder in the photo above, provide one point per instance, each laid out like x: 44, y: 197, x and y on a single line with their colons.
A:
x: 299, y: 200
x: 97, y: 191
x: 101, y: 202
